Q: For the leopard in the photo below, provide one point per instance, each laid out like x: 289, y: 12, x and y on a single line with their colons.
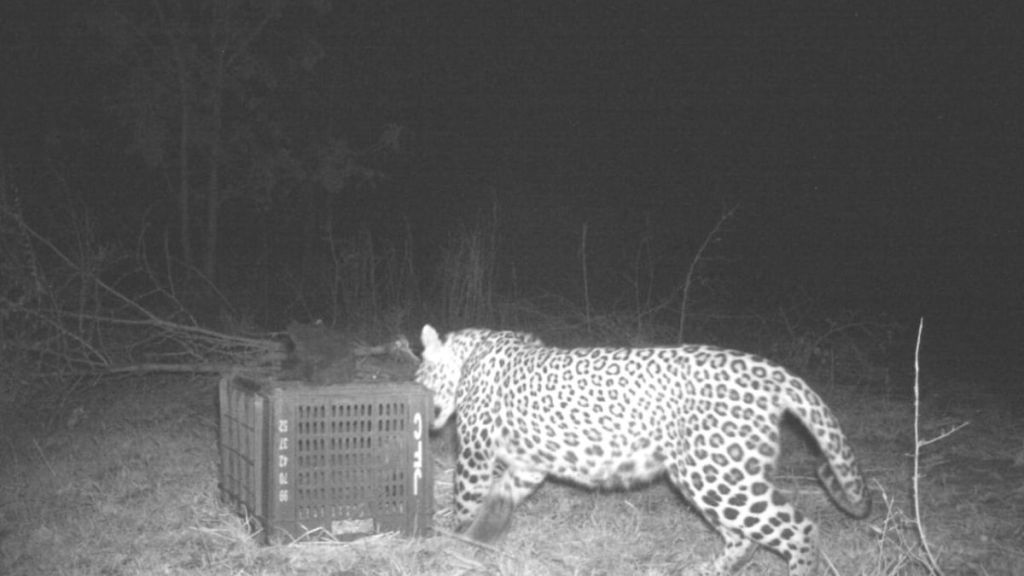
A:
x: 705, y: 417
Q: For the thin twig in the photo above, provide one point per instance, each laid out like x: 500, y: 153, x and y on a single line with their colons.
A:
x: 586, y: 280
x: 713, y: 234
x: 918, y: 443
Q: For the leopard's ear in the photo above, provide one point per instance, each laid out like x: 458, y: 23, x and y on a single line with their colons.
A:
x: 429, y: 338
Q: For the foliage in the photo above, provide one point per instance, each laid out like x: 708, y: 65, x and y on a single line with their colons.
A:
x: 467, y: 277
x: 75, y: 311
x: 373, y: 285
x: 207, y: 98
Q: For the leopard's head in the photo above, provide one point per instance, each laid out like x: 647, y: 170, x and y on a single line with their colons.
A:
x: 441, y: 370
x: 445, y: 360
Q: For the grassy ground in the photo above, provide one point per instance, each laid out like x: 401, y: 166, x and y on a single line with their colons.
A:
x: 122, y: 480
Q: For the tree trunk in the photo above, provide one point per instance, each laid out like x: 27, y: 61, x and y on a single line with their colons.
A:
x: 213, y: 193
x: 212, y: 217
x: 184, y: 193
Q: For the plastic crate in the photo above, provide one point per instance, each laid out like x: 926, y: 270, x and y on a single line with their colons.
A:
x: 348, y: 460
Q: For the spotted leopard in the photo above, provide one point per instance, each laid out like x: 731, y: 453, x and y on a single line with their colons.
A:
x: 706, y: 417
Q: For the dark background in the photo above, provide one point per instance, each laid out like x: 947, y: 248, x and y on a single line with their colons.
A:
x: 872, y: 151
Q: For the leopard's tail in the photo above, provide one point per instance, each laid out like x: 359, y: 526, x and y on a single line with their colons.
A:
x: 840, y: 475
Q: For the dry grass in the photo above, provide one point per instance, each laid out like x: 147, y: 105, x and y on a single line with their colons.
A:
x: 130, y: 487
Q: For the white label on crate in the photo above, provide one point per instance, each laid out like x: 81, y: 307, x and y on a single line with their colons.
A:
x: 417, y: 459
x: 282, y: 462
x: 360, y: 526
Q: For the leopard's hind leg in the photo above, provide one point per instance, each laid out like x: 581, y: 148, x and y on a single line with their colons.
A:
x: 509, y: 487
x: 748, y: 510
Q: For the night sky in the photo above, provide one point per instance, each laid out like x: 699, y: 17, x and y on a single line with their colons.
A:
x: 872, y: 151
